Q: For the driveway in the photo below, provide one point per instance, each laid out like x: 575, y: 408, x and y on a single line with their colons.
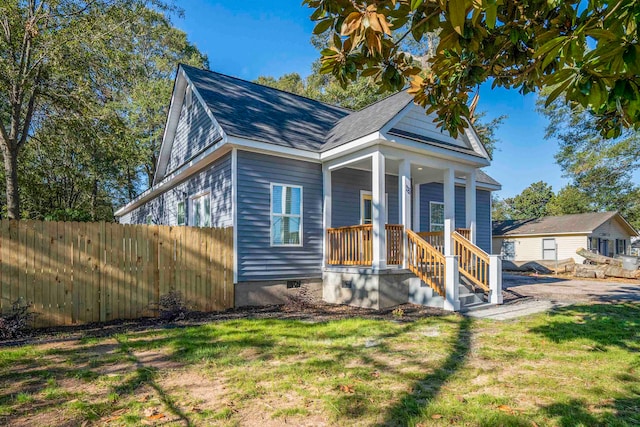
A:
x: 570, y: 290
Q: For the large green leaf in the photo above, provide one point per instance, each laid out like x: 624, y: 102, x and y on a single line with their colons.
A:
x: 457, y: 14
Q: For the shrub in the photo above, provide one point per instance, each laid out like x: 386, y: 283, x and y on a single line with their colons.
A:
x: 172, y: 306
x: 17, y: 322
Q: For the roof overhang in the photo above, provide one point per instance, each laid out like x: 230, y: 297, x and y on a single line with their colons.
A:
x: 195, y: 165
x: 575, y: 233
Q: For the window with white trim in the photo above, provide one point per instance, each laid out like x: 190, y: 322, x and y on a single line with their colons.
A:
x: 621, y: 246
x: 201, y: 211
x: 181, y: 213
x: 436, y: 216
x: 286, y: 215
x: 366, y: 207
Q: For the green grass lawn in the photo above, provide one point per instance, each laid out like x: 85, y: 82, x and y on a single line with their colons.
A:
x: 577, y: 366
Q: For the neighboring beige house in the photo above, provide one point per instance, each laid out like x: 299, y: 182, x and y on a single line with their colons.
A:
x: 558, y: 237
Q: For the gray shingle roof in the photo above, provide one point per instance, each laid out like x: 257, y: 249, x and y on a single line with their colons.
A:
x: 481, y: 176
x: 577, y: 223
x: 257, y: 112
x: 253, y: 111
x: 366, y: 121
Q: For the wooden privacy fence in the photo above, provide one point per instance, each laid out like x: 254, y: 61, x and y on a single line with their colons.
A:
x: 73, y: 272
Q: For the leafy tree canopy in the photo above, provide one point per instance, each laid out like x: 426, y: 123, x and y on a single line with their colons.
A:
x: 83, y: 97
x: 586, y: 51
x: 601, y: 170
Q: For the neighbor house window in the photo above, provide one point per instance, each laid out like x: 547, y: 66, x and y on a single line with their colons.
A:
x: 149, y: 220
x: 201, y: 210
x: 436, y: 216
x: 182, y: 214
x: 286, y: 215
x: 621, y: 246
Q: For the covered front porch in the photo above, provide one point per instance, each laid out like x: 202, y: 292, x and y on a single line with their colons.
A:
x: 375, y: 224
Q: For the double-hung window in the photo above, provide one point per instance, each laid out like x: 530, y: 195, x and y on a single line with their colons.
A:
x: 182, y: 213
x: 436, y: 216
x: 286, y: 215
x: 201, y: 210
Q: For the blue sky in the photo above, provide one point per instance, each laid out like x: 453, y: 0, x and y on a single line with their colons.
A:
x: 250, y: 38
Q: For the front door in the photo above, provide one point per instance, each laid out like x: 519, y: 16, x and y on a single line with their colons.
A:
x: 366, y: 208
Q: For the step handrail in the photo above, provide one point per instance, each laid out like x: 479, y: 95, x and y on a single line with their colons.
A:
x: 473, y: 262
x: 426, y: 262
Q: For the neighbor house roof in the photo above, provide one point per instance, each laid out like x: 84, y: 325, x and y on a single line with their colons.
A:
x: 565, y: 224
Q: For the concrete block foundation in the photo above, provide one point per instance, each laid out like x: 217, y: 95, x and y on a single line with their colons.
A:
x: 366, y: 287
x: 256, y: 294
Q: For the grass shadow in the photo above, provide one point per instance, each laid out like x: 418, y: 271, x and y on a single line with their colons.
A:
x: 427, y: 389
x: 604, y: 324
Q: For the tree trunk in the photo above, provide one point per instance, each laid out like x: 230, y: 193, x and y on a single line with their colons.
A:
x: 597, y: 258
x: 11, y: 183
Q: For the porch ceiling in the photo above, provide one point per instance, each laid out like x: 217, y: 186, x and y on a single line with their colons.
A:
x: 419, y: 174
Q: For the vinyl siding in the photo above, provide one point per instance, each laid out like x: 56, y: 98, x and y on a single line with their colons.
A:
x: 257, y: 259
x: 216, y: 179
x: 195, y: 132
x: 346, y: 185
x: 417, y: 122
x: 434, y: 192
x: 530, y: 248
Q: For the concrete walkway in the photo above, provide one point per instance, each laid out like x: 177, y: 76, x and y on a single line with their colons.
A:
x: 515, y: 309
x: 543, y: 293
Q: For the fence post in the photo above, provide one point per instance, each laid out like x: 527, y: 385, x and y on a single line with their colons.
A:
x: 495, y: 279
x: 452, y: 283
x: 101, y: 272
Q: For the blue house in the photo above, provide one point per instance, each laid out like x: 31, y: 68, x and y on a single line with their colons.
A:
x: 372, y: 208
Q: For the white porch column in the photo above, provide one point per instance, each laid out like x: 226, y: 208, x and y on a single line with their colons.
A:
x: 416, y: 208
x: 326, y: 210
x: 495, y: 279
x: 452, y: 284
x: 404, y: 202
x: 379, y: 209
x: 449, y: 209
x: 470, y: 204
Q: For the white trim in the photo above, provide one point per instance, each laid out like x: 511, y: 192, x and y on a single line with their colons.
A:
x: 351, y: 158
x: 416, y: 207
x: 326, y: 211
x: 234, y: 210
x: 555, y: 249
x: 197, y: 164
x: 356, y: 144
x: 420, y: 147
x: 474, y: 140
x: 273, y: 149
x: 431, y: 203
x: 378, y: 183
x: 182, y: 84
x: 510, y: 236
x: 301, y: 216
x: 184, y: 203
x: 200, y: 195
x: 479, y: 185
x: 171, y: 124
x: 391, y: 123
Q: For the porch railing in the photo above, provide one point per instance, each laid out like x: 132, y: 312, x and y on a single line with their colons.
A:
x: 426, y: 262
x: 473, y: 262
x: 353, y: 245
x: 436, y: 238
